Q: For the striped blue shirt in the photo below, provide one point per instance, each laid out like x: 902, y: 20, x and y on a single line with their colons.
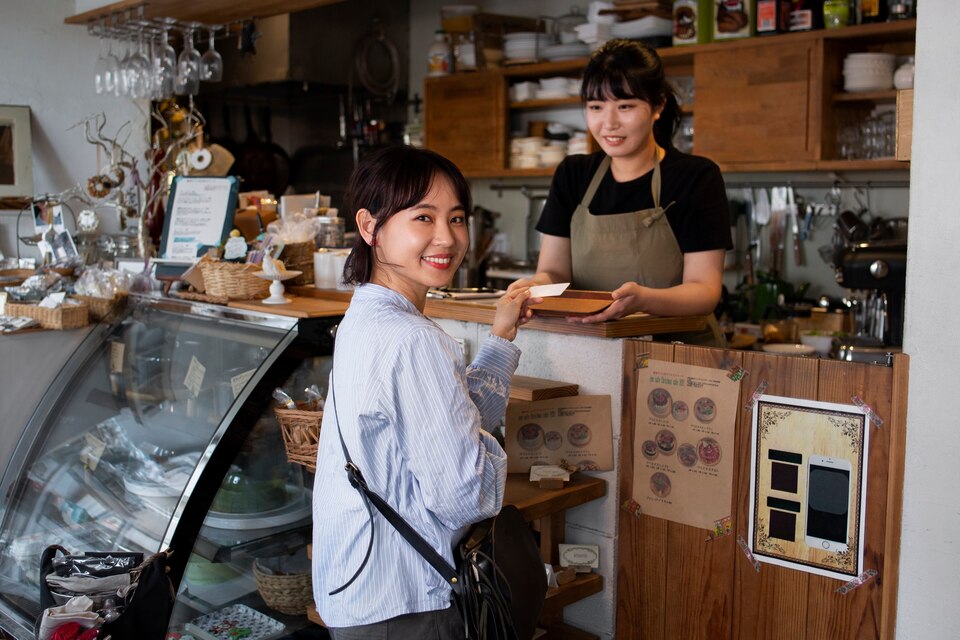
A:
x: 415, y: 422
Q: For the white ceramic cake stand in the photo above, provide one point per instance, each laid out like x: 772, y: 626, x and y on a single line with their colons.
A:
x: 276, y: 285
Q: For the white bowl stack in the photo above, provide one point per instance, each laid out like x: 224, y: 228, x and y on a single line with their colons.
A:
x: 868, y: 72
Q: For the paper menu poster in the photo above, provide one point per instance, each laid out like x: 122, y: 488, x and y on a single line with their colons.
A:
x: 199, y: 214
x: 684, y: 442
x: 576, y: 430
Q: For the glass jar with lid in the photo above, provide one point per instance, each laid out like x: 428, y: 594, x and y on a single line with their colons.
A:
x: 330, y: 232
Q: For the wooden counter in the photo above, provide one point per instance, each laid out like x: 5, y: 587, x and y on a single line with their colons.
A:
x: 483, y: 311
x: 299, y: 307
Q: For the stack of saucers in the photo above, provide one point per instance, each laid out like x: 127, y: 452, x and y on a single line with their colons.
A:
x: 868, y: 72
x: 524, y: 46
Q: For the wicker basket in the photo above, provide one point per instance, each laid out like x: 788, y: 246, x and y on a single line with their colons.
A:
x: 66, y: 316
x: 101, y: 308
x: 232, y: 280
x: 301, y: 432
x: 289, y: 593
x: 14, y: 277
x: 299, y: 257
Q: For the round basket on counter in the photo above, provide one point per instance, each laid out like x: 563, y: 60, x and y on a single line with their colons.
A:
x: 298, y: 256
x: 301, y: 432
x: 289, y: 593
x: 232, y: 280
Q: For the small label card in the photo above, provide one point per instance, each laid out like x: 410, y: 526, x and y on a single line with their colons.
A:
x: 239, y: 381
x: 548, y: 290
x: 194, y: 378
x: 582, y: 557
x: 116, y: 356
x: 53, y: 300
x: 540, y: 471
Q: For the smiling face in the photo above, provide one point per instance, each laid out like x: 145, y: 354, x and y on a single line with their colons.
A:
x: 419, y: 247
x: 622, y: 127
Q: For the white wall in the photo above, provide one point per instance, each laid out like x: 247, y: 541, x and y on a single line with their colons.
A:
x: 929, y: 590
x: 48, y: 66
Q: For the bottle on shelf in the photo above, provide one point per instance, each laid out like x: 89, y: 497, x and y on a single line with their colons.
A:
x: 872, y: 11
x: 836, y: 13
x: 773, y: 16
x: 901, y: 10
x: 806, y: 15
x: 439, y: 55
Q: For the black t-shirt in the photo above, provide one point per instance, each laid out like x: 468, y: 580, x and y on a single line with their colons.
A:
x: 699, y: 215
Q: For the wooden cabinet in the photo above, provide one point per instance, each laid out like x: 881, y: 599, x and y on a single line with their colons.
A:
x: 465, y: 120
x: 756, y: 104
x: 771, y: 103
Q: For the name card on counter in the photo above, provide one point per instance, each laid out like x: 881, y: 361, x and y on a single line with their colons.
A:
x: 573, y: 431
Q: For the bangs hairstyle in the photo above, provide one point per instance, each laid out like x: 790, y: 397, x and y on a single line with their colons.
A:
x: 387, y: 182
x: 627, y: 70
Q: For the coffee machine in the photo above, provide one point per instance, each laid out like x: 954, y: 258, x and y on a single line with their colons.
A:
x: 871, y: 261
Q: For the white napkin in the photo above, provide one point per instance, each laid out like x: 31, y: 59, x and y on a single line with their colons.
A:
x: 78, y: 609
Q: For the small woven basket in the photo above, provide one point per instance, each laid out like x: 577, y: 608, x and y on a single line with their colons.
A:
x: 232, y: 280
x: 66, y: 316
x: 300, y: 429
x: 14, y: 277
x: 101, y: 308
x: 289, y: 593
x: 298, y: 256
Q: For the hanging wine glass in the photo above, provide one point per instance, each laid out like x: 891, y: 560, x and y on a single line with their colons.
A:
x: 166, y: 59
x: 187, y: 81
x: 211, y: 64
x: 140, y: 77
x: 123, y: 67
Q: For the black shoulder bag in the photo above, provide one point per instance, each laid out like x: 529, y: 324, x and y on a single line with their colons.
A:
x: 499, y: 582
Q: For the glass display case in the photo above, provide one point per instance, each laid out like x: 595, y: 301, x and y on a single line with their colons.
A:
x: 159, y: 433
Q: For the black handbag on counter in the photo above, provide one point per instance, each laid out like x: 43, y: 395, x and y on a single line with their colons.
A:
x: 499, y: 583
x: 144, y: 611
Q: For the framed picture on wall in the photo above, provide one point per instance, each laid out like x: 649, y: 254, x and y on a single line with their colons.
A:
x: 16, y: 172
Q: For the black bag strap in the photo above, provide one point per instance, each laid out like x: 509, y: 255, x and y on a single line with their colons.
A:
x: 417, y: 541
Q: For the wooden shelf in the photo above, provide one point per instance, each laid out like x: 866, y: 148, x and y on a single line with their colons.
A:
x: 208, y: 12
x: 585, y: 585
x: 566, y: 632
x: 866, y: 96
x: 534, y: 502
x: 572, y: 101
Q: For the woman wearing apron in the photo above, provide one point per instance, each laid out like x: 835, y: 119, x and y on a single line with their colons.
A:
x: 639, y: 218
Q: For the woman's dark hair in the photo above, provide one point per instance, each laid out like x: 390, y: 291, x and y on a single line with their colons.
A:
x: 387, y: 182
x: 625, y: 69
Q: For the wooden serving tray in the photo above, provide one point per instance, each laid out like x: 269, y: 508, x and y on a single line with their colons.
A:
x: 573, y: 302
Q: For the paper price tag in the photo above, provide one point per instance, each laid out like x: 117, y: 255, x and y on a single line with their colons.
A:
x: 116, y: 357
x: 194, y: 377
x: 239, y: 381
x: 93, y: 450
x: 540, y: 471
x: 53, y: 300
x: 583, y: 557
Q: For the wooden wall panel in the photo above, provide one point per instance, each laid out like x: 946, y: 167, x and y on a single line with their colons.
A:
x: 672, y: 583
x: 768, y: 604
x: 642, y: 561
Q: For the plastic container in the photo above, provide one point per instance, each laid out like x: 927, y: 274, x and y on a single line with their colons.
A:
x: 692, y: 21
x: 439, y: 56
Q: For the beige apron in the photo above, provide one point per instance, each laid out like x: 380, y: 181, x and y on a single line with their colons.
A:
x: 638, y: 246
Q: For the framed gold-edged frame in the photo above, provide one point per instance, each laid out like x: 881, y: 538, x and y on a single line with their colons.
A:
x: 16, y: 172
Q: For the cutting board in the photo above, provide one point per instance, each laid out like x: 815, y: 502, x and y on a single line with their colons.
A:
x: 573, y: 303
x: 298, y: 307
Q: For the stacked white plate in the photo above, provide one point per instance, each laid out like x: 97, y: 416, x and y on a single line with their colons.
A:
x: 868, y: 72
x: 568, y: 51
x: 643, y: 28
x: 525, y: 45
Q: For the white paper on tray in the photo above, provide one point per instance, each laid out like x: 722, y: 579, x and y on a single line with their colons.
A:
x: 548, y: 290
